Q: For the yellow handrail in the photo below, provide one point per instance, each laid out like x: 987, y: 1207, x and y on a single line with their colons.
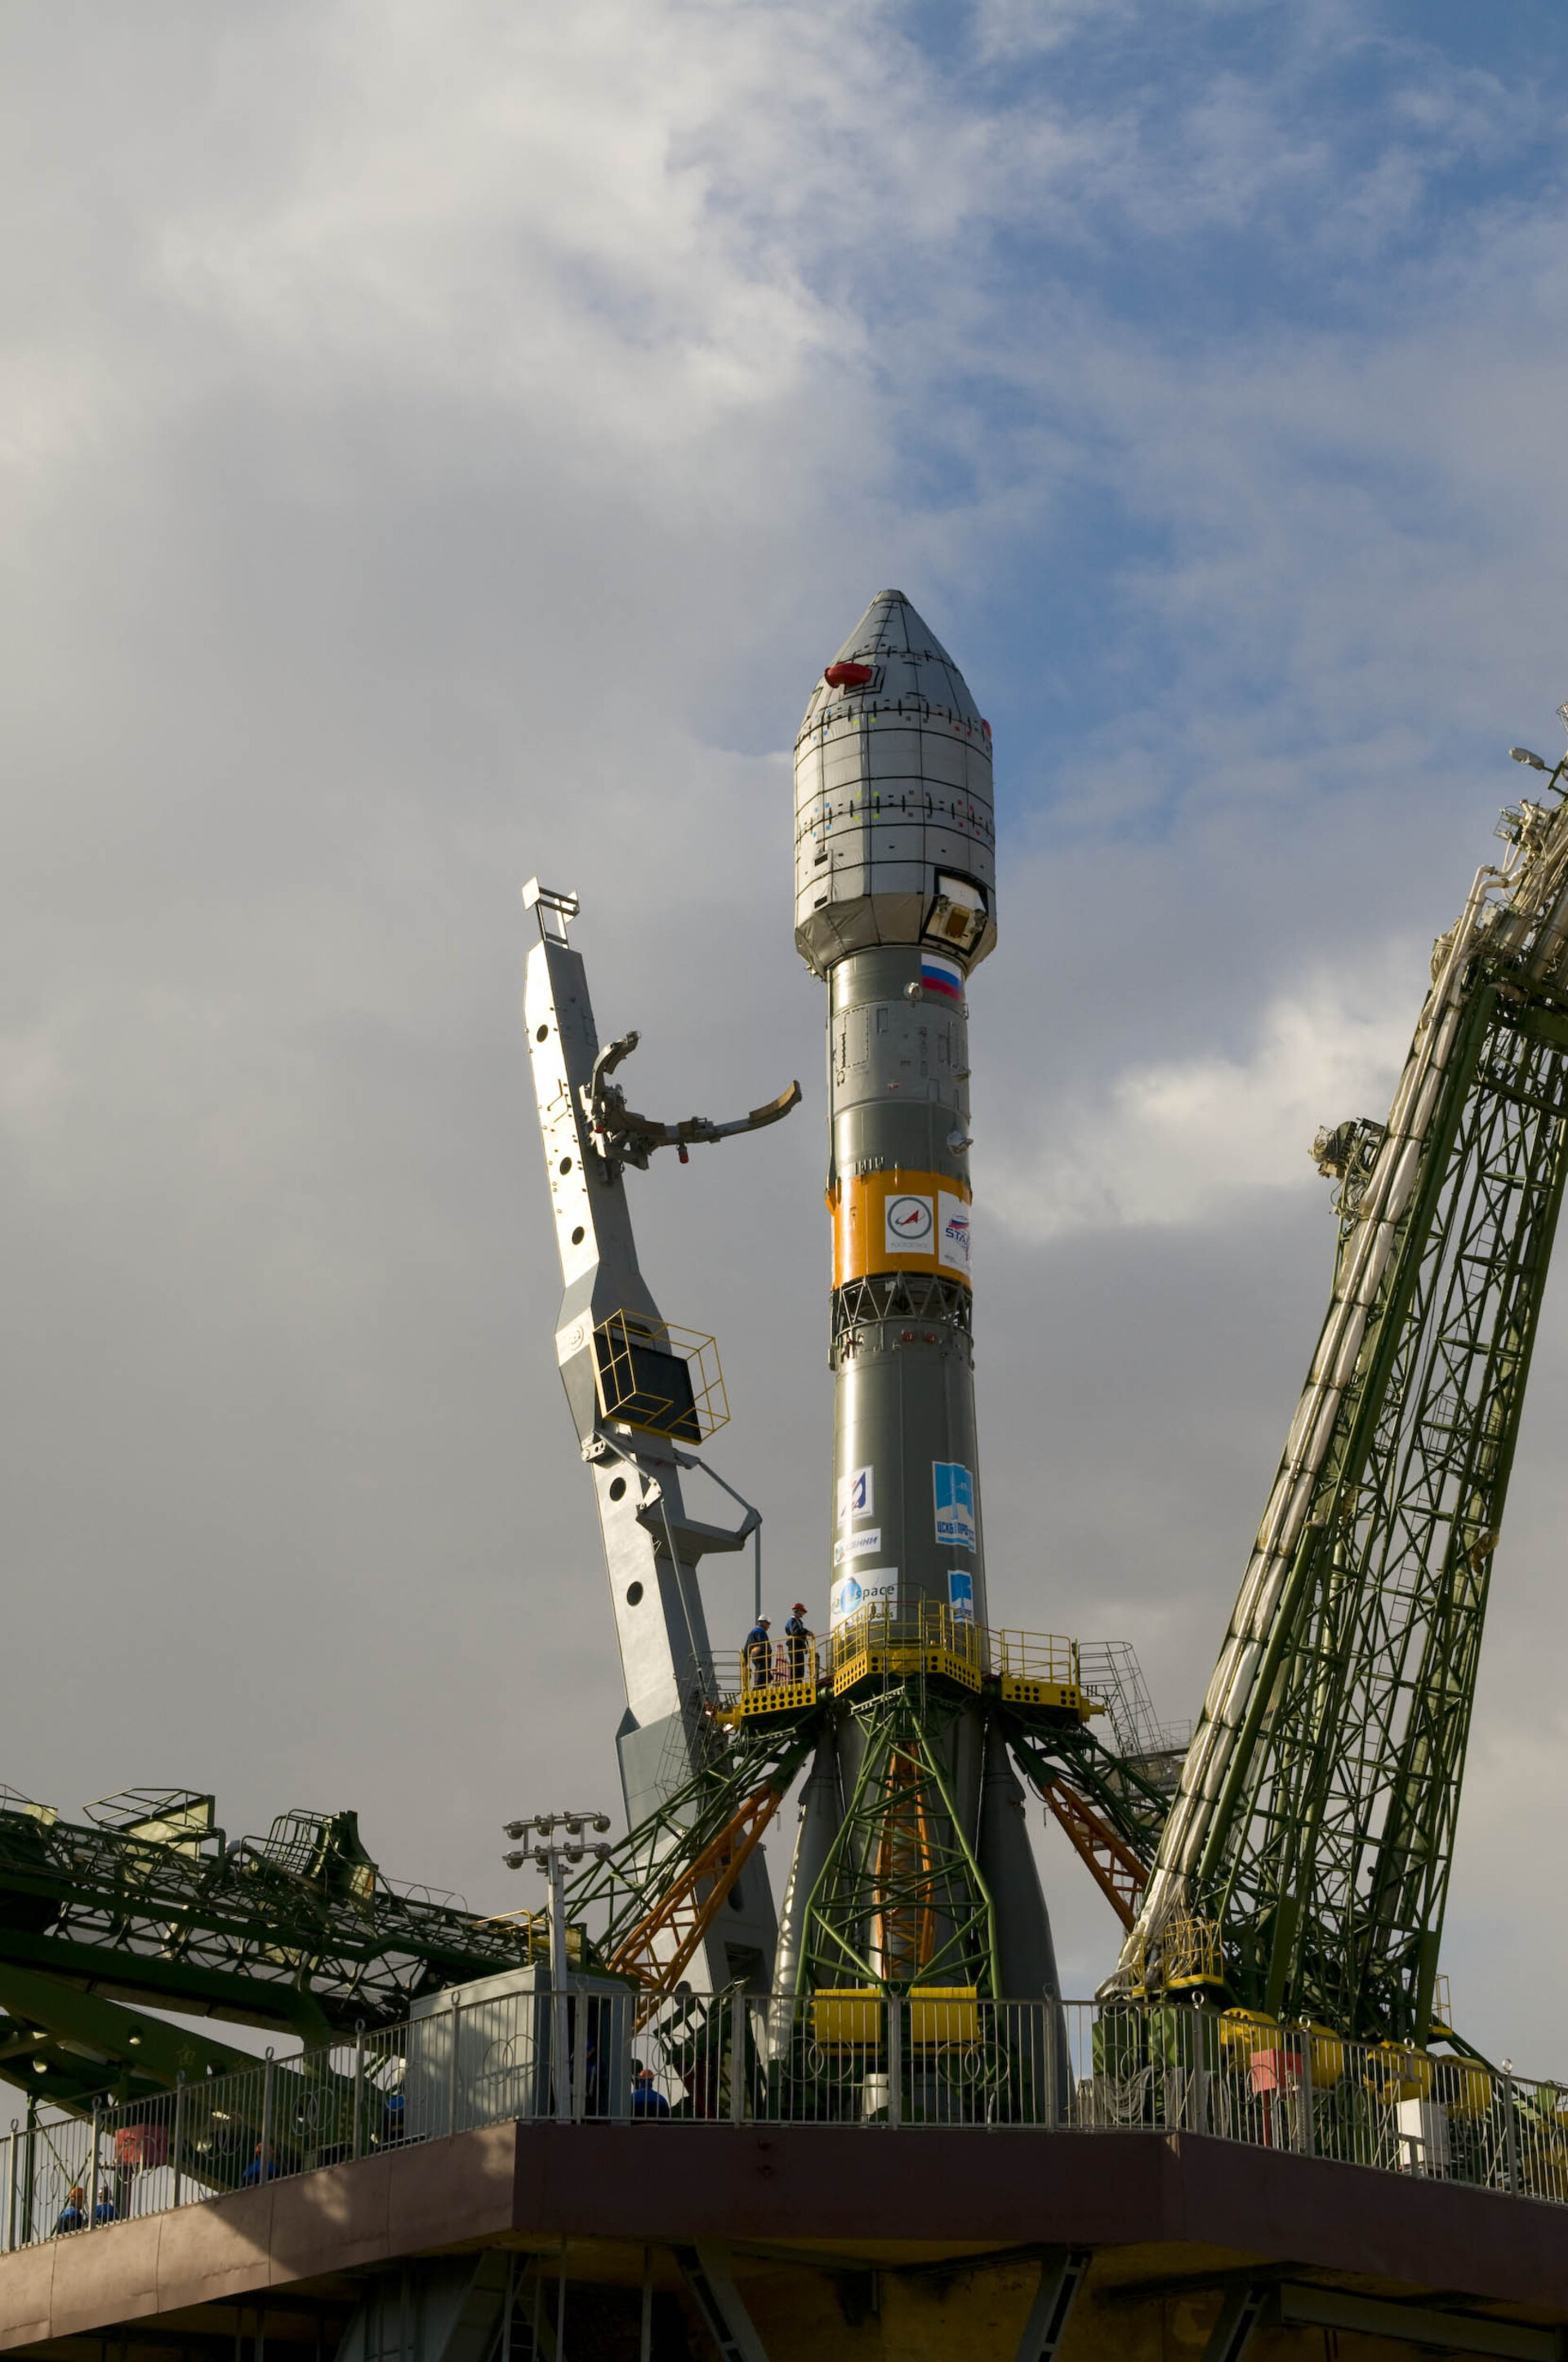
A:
x: 791, y: 1661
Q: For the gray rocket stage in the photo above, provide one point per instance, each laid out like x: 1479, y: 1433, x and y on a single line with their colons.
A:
x: 895, y: 884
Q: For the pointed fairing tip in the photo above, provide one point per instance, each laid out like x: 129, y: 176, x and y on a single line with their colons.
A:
x: 893, y: 650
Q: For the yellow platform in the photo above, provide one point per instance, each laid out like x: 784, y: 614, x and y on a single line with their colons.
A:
x: 1034, y: 1670
x: 1030, y: 1669
x: 878, y: 1648
x: 761, y: 1700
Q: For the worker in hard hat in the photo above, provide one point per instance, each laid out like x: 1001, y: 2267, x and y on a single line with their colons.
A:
x: 758, y: 1655
x: 797, y: 1644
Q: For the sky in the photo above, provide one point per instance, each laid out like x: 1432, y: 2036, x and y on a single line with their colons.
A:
x: 441, y: 446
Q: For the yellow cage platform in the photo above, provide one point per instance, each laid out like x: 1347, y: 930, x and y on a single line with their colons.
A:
x: 876, y: 1645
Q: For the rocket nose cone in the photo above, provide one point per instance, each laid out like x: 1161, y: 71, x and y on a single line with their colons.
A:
x: 905, y: 658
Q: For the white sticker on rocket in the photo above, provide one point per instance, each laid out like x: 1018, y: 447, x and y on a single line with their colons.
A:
x: 856, y: 1495
x: 907, y: 1223
x: 953, y: 1236
x: 857, y: 1545
x: 873, y: 1587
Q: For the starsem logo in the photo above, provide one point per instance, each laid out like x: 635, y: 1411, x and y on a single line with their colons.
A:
x: 908, y: 1221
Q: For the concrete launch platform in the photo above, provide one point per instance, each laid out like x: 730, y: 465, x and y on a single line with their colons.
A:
x: 916, y: 2244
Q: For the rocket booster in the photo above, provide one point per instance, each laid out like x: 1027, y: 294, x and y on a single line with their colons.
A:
x: 894, y: 906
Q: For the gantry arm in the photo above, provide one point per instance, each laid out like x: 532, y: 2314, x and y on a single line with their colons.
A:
x: 622, y: 1136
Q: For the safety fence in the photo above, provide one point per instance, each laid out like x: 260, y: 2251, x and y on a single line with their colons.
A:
x: 509, y: 2050
x: 878, y: 1642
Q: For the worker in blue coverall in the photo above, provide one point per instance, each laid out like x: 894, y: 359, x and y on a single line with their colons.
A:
x: 798, y: 1643
x: 758, y: 1655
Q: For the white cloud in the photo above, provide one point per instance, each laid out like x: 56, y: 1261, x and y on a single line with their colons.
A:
x: 1176, y: 1142
x: 440, y: 439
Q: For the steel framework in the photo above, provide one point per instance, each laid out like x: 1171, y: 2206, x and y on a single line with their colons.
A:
x: 660, y: 1947
x: 148, y: 1902
x: 901, y: 1900
x: 1317, y: 1805
x: 678, y: 1864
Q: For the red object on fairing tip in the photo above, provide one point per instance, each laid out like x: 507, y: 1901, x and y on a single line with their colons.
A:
x: 848, y: 675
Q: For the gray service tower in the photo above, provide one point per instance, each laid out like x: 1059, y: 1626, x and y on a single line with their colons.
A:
x: 895, y: 877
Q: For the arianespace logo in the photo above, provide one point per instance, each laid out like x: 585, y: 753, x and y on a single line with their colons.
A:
x: 909, y: 1224
x: 852, y: 1592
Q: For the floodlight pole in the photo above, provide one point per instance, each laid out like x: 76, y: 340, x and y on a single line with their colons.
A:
x: 550, y: 1854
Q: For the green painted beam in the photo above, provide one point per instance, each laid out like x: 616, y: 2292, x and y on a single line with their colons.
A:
x: 98, y: 2045
x: 170, y: 1984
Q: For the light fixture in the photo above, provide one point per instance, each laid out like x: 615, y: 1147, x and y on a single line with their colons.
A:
x: 1523, y: 755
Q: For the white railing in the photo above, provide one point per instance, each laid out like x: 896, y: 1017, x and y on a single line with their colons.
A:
x: 843, y: 2059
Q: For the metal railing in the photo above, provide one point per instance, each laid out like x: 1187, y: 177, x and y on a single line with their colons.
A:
x: 880, y: 1642
x: 1034, y: 1657
x: 479, y: 2055
x: 789, y: 1663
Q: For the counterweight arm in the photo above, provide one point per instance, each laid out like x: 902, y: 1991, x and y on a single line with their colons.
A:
x: 622, y: 1136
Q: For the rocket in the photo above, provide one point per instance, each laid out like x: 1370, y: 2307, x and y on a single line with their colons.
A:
x: 895, y: 907
x: 895, y: 886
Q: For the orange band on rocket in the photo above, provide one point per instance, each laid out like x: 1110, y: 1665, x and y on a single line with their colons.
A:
x: 900, y: 1221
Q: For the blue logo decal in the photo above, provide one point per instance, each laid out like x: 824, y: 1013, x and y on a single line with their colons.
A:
x: 954, y: 1504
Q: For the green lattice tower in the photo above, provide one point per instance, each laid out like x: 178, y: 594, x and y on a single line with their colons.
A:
x: 900, y: 1901
x: 1335, y: 1879
x: 1326, y: 1847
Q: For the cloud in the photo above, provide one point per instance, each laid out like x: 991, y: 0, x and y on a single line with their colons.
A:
x: 443, y: 447
x: 1177, y: 1141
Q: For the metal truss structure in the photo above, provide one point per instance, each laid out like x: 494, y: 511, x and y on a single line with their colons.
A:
x: 148, y: 1902
x: 654, y: 1894
x: 1117, y: 1869
x: 900, y: 1902
x: 1131, y: 1794
x: 901, y: 1899
x: 658, y: 1949
x: 1316, y: 1816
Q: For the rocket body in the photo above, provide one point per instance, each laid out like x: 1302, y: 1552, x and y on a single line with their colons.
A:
x: 894, y: 893
x: 913, y: 1861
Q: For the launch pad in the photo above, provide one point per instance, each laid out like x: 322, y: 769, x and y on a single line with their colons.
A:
x: 663, y: 2117
x: 917, y: 2246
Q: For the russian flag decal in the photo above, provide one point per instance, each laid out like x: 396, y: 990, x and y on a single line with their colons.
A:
x: 939, y: 975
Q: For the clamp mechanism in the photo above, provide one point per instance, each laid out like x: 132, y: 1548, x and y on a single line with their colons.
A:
x: 624, y: 1137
